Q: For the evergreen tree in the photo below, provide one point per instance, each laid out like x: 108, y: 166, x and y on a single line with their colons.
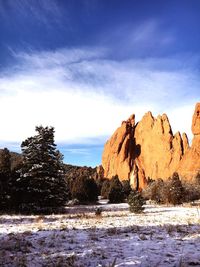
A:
x: 41, y: 184
x: 5, y: 175
x: 5, y: 161
x: 136, y: 202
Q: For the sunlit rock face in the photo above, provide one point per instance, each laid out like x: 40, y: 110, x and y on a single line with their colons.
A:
x: 150, y: 149
x: 196, y: 120
x: 190, y: 164
x: 118, y: 152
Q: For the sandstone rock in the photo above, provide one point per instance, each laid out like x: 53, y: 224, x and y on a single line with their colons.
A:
x: 185, y: 142
x: 99, y: 172
x: 117, y: 156
x: 160, y: 151
x: 196, y: 120
x: 149, y: 149
x: 190, y: 164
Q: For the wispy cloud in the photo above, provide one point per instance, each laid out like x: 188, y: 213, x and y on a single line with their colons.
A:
x: 144, y: 38
x: 79, y: 151
x: 42, y: 12
x: 85, y: 95
x: 149, y: 33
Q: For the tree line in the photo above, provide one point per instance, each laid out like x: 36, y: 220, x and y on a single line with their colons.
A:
x: 42, y: 183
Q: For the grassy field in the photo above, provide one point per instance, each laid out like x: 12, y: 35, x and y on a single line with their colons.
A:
x: 161, y: 236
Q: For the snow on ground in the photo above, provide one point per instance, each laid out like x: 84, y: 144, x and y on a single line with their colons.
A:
x: 161, y: 236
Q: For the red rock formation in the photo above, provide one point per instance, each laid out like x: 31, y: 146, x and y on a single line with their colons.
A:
x: 196, y: 121
x: 185, y: 142
x: 117, y: 155
x: 190, y: 164
x: 149, y: 149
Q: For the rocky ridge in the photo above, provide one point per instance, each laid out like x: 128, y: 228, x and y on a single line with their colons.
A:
x: 149, y: 149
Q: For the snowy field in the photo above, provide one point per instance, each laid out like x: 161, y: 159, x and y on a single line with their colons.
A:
x: 161, y: 236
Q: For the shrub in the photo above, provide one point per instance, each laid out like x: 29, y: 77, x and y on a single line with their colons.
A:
x: 5, y: 177
x: 154, y: 191
x: 191, y: 191
x: 126, y: 187
x: 98, y: 212
x: 84, y: 189
x: 116, y: 194
x: 197, y: 178
x: 136, y: 202
x: 173, y: 190
x: 100, y: 182
x: 105, y: 189
x: 170, y: 191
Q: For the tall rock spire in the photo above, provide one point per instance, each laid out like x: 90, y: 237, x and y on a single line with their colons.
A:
x: 190, y: 164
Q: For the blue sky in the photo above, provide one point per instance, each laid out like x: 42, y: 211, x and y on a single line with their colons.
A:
x: 84, y: 66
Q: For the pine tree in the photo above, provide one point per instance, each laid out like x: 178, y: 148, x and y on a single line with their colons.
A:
x: 41, y: 184
x: 5, y: 175
x: 5, y: 161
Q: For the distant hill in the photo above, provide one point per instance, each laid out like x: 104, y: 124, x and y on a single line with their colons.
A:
x: 71, y: 171
x: 16, y: 159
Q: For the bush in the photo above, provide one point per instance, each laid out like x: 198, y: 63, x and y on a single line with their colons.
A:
x: 154, y: 191
x: 85, y: 190
x: 136, y: 202
x: 191, y: 191
x: 98, y: 212
x: 116, y: 194
x: 173, y: 190
x: 105, y: 189
x: 126, y: 187
x: 197, y: 178
x: 5, y: 177
x: 170, y: 191
x: 100, y: 182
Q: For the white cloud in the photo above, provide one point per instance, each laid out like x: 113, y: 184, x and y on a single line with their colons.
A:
x: 75, y: 115
x: 181, y: 119
x: 85, y: 96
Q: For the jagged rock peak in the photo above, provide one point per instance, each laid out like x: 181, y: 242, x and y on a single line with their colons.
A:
x: 190, y: 164
x: 196, y: 120
x: 130, y: 121
x: 149, y: 149
x: 185, y: 142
